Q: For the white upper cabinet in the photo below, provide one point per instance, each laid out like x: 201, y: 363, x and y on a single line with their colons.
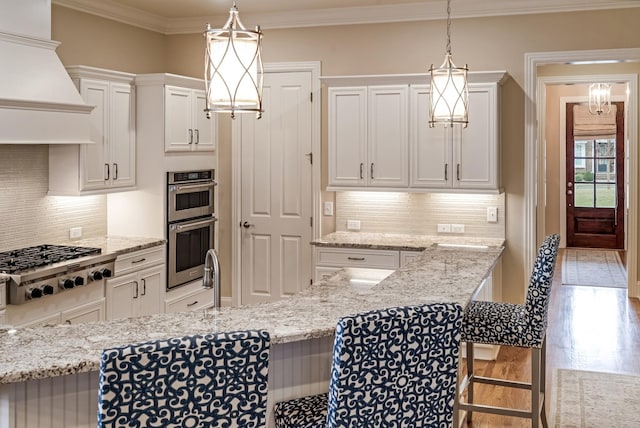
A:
x: 109, y: 164
x: 186, y: 125
x: 379, y: 136
x: 368, y: 136
x: 456, y: 157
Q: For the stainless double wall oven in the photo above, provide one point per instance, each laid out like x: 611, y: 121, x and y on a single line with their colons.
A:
x: 190, y: 224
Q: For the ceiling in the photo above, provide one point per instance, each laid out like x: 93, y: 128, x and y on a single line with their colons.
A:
x: 188, y: 16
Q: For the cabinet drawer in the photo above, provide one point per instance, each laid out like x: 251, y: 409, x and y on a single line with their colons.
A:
x: 409, y: 256
x: 141, y: 259
x: 195, y: 300
x: 387, y: 259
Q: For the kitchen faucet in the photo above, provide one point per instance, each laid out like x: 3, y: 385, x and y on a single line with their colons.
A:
x: 211, y: 277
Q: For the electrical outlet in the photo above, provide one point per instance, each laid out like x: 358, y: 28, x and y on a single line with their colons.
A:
x: 353, y: 224
x: 444, y: 228
x: 492, y: 214
x: 457, y: 228
x: 75, y: 232
x: 328, y: 208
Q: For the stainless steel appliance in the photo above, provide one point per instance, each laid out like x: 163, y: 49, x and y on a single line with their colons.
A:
x: 44, y: 270
x: 190, y: 224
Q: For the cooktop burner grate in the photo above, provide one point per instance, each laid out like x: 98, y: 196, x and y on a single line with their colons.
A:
x: 16, y: 261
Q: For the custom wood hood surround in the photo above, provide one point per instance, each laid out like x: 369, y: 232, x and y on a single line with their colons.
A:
x: 38, y: 102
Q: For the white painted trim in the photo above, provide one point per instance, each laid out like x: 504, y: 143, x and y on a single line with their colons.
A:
x: 367, y: 14
x: 532, y: 164
x: 236, y: 182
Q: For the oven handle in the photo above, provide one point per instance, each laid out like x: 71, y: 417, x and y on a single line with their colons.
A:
x: 196, y: 224
x: 211, y: 183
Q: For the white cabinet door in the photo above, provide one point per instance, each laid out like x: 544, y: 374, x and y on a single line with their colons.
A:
x: 94, y: 161
x: 94, y: 311
x: 122, y: 146
x: 388, y: 141
x: 186, y: 125
x: 476, y: 146
x: 122, y: 293
x: 347, y: 136
x: 431, y: 152
x: 150, y: 290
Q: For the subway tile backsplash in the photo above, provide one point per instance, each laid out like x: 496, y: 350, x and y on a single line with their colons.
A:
x: 27, y: 215
x: 420, y: 213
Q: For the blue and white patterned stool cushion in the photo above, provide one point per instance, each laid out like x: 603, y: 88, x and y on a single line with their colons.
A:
x: 391, y: 367
x: 511, y: 324
x: 194, y: 381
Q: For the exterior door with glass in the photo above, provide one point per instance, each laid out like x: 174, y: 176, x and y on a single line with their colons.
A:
x: 595, y: 177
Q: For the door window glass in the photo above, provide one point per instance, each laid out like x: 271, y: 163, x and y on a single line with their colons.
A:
x: 595, y: 173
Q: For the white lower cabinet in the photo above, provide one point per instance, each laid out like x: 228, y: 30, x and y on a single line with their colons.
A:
x: 94, y: 311
x: 135, y: 294
x: 408, y: 256
x: 137, y: 289
x: 190, y: 297
x: 330, y: 260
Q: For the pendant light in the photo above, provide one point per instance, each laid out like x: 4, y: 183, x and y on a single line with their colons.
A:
x: 449, y: 100
x: 233, y: 68
x: 600, y: 98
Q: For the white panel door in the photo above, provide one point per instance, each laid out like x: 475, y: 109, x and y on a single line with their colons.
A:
x: 387, y: 134
x: 122, y: 136
x: 475, y: 146
x: 276, y: 190
x: 431, y: 164
x: 95, y: 156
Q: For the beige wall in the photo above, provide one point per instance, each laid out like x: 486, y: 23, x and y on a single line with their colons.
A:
x: 497, y: 43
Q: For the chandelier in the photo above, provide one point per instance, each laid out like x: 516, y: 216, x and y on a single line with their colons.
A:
x: 233, y: 68
x: 449, y: 99
x: 599, y: 98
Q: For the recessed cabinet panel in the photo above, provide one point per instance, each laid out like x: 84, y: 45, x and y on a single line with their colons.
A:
x: 94, y: 157
x: 186, y: 125
x: 122, y: 148
x: 347, y: 136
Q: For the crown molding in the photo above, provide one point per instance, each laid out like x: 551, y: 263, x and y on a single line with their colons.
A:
x: 423, y: 11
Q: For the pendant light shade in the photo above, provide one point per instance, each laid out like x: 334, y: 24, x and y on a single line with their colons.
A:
x: 599, y: 98
x: 233, y: 68
x: 449, y: 99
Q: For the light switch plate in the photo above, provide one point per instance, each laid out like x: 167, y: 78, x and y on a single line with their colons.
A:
x: 327, y: 208
x: 457, y: 228
x: 75, y: 232
x: 444, y: 228
x: 492, y: 214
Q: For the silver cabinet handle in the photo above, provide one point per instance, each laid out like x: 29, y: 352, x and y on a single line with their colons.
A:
x: 107, y: 171
x: 371, y: 170
x: 192, y: 304
x: 190, y: 136
x: 197, y: 136
x: 138, y: 261
x: 356, y: 258
x: 144, y: 287
x: 446, y: 168
x: 458, y: 172
x: 361, y: 166
x: 115, y: 171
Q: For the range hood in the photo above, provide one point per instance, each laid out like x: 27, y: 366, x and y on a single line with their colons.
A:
x: 39, y: 104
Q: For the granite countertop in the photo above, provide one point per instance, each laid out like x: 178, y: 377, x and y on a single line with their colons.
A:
x: 118, y: 244
x: 440, y: 274
x: 394, y: 241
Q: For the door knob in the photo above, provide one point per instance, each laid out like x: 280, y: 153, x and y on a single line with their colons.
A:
x: 247, y: 225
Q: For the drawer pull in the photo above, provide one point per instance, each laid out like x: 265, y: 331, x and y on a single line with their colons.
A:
x: 356, y: 258
x: 138, y: 261
x: 191, y: 304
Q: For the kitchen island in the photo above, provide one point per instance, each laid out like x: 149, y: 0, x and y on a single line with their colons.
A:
x: 51, y: 372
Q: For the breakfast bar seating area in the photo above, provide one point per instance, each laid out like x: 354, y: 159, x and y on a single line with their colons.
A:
x: 38, y: 363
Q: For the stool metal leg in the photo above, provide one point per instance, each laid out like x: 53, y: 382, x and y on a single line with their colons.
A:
x: 543, y: 382
x: 470, y: 378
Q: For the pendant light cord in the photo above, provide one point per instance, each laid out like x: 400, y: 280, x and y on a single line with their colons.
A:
x: 449, y: 26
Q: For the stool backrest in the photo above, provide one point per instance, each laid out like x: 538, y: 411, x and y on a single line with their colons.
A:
x: 539, y: 290
x: 397, y: 364
x: 211, y: 380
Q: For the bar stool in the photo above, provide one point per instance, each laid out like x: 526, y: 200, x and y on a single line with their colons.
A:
x: 193, y: 381
x: 391, y: 367
x: 508, y: 324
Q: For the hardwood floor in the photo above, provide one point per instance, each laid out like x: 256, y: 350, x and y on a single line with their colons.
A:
x: 590, y: 328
